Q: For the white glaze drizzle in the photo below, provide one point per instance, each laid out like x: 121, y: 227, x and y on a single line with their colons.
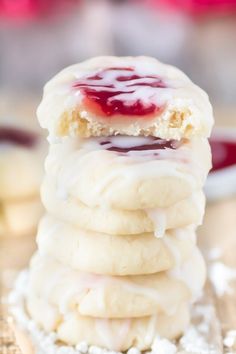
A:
x: 191, y: 272
x: 178, y: 152
x: 125, y: 92
x: 158, y: 217
x: 137, y: 172
x: 82, y: 282
x: 142, y: 164
x: 192, y: 340
x: 174, y: 250
x: 112, y: 339
x: 149, y: 293
x: 151, y: 330
x: 127, y: 142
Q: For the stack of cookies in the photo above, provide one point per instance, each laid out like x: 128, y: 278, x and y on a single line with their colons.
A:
x: 117, y: 263
x: 21, y: 170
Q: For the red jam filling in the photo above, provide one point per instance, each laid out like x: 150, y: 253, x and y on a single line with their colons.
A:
x: 158, y: 144
x: 19, y: 137
x: 103, y: 92
x: 223, y: 153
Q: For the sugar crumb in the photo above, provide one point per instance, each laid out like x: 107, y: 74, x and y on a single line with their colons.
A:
x: 220, y: 276
x: 214, y: 253
x: 230, y: 339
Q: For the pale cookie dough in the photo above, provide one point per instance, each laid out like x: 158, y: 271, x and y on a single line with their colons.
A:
x: 104, y: 296
x: 177, y: 108
x: 112, y: 254
x: 20, y: 218
x: 122, y: 222
x: 143, y: 179
x: 116, y: 334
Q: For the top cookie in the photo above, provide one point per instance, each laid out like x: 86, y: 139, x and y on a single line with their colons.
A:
x: 135, y: 96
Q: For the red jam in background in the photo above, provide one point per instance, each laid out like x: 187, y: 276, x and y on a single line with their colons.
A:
x: 223, y: 153
x: 158, y: 144
x: 102, y: 92
x: 19, y: 137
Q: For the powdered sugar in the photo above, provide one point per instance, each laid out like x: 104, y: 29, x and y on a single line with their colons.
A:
x: 163, y: 346
x: 230, y: 339
x: 220, y: 276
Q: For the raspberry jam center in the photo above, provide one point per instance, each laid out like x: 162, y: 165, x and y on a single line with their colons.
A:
x: 121, y: 91
x: 19, y: 137
x: 223, y: 154
x: 153, y: 144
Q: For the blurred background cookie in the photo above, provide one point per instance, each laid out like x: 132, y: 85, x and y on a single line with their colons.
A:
x: 22, y: 151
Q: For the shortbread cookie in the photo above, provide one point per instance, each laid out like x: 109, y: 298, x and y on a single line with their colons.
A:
x: 114, y: 334
x: 122, y: 222
x: 192, y: 271
x: 21, y: 163
x: 107, y: 96
x: 112, y: 254
x: 20, y: 218
x: 129, y: 172
x: 104, y: 296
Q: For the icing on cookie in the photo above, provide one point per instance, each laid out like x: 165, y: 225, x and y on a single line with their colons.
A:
x: 124, y: 144
x: 122, y: 91
x: 110, y: 338
x: 159, y: 219
x: 79, y: 283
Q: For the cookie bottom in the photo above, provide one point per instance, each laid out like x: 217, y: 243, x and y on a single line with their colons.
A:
x: 32, y: 340
x: 44, y: 343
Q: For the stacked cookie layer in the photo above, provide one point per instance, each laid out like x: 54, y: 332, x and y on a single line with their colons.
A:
x: 117, y: 263
x: 21, y: 166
